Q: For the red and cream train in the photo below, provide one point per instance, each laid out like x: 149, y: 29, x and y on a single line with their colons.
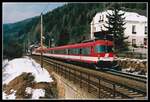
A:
x: 98, y: 52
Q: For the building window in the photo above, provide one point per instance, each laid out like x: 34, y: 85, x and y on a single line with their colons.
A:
x: 145, y: 41
x: 133, y: 29
x: 145, y: 29
x: 134, y: 42
x: 101, y: 19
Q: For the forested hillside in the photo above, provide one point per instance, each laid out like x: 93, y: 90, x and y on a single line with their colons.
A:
x: 67, y: 24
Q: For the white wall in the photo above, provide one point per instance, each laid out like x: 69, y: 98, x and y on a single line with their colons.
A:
x: 140, y: 32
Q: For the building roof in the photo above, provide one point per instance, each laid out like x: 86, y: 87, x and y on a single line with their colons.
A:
x: 129, y: 16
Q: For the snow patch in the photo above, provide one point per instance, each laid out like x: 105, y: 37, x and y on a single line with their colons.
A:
x: 37, y: 93
x: 132, y: 71
x: 5, y: 62
x: 17, y: 66
x: 11, y: 96
x: 28, y: 90
x: 130, y: 59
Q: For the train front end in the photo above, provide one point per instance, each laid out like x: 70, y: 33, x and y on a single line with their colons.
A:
x: 105, y: 54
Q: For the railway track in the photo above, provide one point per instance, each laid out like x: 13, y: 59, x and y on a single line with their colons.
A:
x: 127, y: 75
x: 121, y: 74
x: 102, y: 84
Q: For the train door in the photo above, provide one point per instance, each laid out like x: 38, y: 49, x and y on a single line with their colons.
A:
x: 92, y: 50
x: 80, y: 53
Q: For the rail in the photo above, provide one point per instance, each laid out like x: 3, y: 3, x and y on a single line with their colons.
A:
x: 127, y: 75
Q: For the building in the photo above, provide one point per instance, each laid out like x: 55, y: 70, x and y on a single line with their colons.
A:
x: 136, y: 27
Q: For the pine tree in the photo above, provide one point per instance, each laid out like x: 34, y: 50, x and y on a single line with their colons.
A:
x: 115, y: 27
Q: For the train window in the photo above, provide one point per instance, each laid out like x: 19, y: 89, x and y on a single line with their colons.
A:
x: 103, y: 48
x: 85, y: 51
x: 55, y: 51
x: 99, y: 49
x: 61, y: 51
x: 76, y: 51
x: 70, y: 51
x: 64, y: 51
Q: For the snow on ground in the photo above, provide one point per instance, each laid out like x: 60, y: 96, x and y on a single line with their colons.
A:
x: 11, y: 96
x: 131, y: 59
x: 17, y: 66
x: 5, y: 61
x: 132, y: 71
x: 28, y: 90
x: 36, y: 93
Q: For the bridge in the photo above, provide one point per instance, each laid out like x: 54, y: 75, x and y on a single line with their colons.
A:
x: 75, y: 82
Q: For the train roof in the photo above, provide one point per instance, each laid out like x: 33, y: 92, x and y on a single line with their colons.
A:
x: 83, y: 44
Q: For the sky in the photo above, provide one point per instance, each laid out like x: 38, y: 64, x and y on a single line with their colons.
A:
x: 14, y: 12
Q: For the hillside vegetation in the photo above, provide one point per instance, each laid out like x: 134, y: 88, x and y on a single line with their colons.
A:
x: 69, y: 23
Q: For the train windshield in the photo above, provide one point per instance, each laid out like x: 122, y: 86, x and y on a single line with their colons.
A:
x: 102, y: 48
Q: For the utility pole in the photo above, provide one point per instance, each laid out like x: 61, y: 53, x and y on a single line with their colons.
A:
x: 49, y: 43
x: 41, y: 41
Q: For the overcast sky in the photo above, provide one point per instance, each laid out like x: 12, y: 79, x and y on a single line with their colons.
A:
x: 13, y: 12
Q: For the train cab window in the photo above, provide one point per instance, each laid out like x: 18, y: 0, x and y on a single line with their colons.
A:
x: 100, y: 49
x: 103, y: 48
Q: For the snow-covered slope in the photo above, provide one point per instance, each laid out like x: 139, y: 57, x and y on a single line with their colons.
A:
x: 16, y: 67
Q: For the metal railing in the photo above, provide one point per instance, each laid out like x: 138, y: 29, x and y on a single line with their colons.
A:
x: 94, y: 84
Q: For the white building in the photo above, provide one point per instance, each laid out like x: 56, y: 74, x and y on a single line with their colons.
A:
x: 136, y: 26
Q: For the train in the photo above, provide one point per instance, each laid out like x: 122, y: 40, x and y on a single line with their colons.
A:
x: 97, y: 52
